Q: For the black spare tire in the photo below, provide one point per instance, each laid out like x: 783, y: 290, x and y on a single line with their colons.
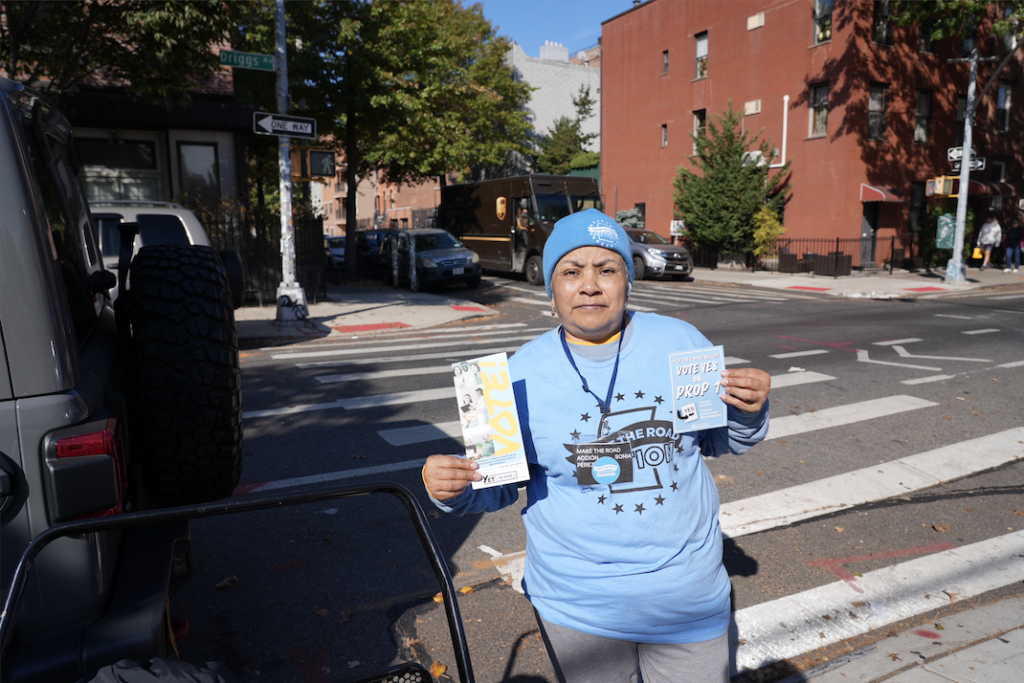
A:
x: 187, y: 405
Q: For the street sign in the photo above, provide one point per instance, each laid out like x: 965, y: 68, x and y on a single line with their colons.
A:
x: 247, y: 60
x: 283, y: 126
x: 977, y: 164
x: 945, y: 231
x: 957, y: 153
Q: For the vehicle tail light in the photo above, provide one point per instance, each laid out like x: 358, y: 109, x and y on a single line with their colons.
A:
x: 106, y: 441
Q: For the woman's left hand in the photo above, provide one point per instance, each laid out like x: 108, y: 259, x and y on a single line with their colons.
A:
x: 746, y: 388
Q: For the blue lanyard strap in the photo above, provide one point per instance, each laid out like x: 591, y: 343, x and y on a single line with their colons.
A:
x: 606, y: 404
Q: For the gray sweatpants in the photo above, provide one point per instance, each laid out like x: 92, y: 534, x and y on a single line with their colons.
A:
x: 582, y: 658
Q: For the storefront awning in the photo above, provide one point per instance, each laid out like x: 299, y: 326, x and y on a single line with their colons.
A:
x: 983, y: 189
x: 876, y: 193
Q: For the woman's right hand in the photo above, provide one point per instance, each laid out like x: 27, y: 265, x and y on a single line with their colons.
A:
x: 447, y: 476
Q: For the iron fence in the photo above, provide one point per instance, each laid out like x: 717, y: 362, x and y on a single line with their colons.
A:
x: 258, y: 241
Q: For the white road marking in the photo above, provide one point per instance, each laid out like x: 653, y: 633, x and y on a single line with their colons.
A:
x: 877, y: 482
x: 704, y: 297
x: 730, y: 360
x: 360, y: 402
x: 524, y: 300
x: 536, y: 291
x: 398, y: 347
x: 790, y: 626
x: 793, y: 379
x: 336, y: 476
x: 903, y: 353
x: 789, y: 425
x: 898, y: 341
x: 862, y: 357
x: 986, y: 330
x: 490, y: 551
x: 402, y: 359
x: 1006, y: 298
x: 957, y: 317
x: 1014, y: 364
x: 376, y: 336
x: 798, y: 354
x: 383, y: 374
x: 927, y: 380
x: 405, y: 436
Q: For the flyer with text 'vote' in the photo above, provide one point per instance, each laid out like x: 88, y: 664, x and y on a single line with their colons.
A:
x: 490, y: 421
x: 696, y: 385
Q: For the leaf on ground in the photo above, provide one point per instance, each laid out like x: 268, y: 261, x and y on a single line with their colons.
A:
x: 412, y: 642
x: 466, y: 590
x: 894, y: 657
x: 229, y: 582
x: 858, y: 575
x: 944, y: 528
x: 320, y: 612
x: 839, y: 529
x: 353, y: 665
x: 439, y: 598
x: 1019, y: 513
x: 345, y: 616
x: 437, y: 669
x: 939, y: 627
x: 858, y: 603
x: 946, y: 418
x: 952, y: 596
x: 757, y: 472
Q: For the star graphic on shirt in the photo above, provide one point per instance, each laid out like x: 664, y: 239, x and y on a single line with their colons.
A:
x: 575, y: 435
x: 639, y: 508
x: 659, y: 500
x: 620, y: 397
x: 675, y: 486
x: 659, y: 400
x: 602, y: 499
x: 585, y: 417
x: 618, y: 509
x: 639, y: 394
x: 675, y: 468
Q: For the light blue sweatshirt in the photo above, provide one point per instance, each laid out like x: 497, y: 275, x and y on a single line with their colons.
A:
x: 642, y: 561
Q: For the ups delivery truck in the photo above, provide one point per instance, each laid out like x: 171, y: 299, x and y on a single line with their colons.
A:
x: 507, y: 221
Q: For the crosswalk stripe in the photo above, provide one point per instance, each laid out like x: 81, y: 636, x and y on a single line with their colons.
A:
x: 458, y: 355
x: 986, y: 330
x: 957, y: 317
x: 891, y: 342
x: 927, y: 380
x: 701, y: 298
x: 398, y: 347
x: 798, y: 354
x: 1006, y: 298
x: 367, y: 341
x: 878, y: 482
x: 383, y: 374
x: 360, y: 402
x: 1014, y: 364
x: 700, y: 289
x: 793, y: 379
x: 788, y: 425
x: 406, y: 436
x: 790, y: 626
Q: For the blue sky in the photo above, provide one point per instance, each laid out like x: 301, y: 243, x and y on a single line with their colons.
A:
x: 574, y: 23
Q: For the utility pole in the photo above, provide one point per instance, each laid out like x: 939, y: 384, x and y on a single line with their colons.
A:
x: 956, y: 270
x: 291, y: 298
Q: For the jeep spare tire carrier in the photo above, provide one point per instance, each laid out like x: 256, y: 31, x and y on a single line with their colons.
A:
x: 187, y: 395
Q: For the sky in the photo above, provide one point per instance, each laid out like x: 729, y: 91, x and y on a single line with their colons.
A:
x: 574, y: 23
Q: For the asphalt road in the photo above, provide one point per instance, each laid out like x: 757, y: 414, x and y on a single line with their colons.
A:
x: 891, y: 484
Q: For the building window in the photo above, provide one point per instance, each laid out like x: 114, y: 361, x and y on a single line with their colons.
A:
x: 664, y: 62
x: 927, y: 28
x: 701, y: 70
x: 198, y: 173
x: 961, y: 116
x: 1003, y: 109
x: 641, y: 208
x: 999, y: 171
x: 923, y: 117
x: 819, y: 109
x: 918, y: 206
x: 664, y: 135
x: 876, y: 111
x: 700, y: 125
x: 880, y: 33
x: 822, y: 21
x: 969, y: 41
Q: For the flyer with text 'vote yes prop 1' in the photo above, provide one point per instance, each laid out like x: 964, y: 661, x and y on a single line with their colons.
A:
x: 696, y: 385
x: 490, y: 421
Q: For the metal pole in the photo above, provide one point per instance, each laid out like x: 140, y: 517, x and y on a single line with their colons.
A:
x: 956, y: 270
x: 835, y: 273
x: 291, y: 298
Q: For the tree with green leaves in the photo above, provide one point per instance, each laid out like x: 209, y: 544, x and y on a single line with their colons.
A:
x: 566, y: 142
x: 728, y: 185
x: 157, y: 48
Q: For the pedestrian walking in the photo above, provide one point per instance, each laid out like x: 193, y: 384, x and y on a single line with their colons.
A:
x: 1013, y: 245
x: 988, y: 238
x: 627, y: 577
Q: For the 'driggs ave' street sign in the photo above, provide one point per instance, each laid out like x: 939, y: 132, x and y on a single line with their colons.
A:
x: 957, y: 153
x: 283, y: 126
x: 247, y: 60
x: 977, y: 164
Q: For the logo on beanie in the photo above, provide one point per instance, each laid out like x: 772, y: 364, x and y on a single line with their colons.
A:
x: 603, y: 234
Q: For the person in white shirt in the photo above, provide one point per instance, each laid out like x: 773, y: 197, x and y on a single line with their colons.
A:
x: 988, y: 238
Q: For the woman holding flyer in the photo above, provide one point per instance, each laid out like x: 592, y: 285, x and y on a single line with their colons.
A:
x: 624, y: 549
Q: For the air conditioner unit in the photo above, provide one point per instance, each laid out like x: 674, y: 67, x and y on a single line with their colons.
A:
x: 752, y: 107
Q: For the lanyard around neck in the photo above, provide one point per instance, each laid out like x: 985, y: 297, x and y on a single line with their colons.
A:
x: 606, y: 404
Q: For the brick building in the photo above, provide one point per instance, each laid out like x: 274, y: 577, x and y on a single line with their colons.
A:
x: 870, y: 109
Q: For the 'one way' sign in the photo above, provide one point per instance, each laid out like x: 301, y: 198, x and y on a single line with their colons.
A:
x: 283, y: 126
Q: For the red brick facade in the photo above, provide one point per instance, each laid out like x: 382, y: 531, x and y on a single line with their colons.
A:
x: 763, y: 50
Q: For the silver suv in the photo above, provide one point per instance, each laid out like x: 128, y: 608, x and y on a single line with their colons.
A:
x: 104, y: 409
x: 654, y: 256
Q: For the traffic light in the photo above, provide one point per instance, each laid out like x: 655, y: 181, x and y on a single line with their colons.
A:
x: 943, y: 186
x: 321, y: 162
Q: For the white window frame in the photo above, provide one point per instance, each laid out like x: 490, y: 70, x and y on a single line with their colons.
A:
x: 818, y: 110
x: 925, y: 137
x: 877, y: 106
x: 700, y: 69
x: 700, y: 125
x: 1003, y: 102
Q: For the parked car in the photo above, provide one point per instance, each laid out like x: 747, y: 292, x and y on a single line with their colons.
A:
x: 104, y: 408
x: 654, y: 256
x: 369, y: 260
x: 440, y: 259
x: 159, y: 223
x: 334, y: 251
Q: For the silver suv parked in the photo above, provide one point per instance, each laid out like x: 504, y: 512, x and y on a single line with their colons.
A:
x: 104, y: 408
x: 654, y: 256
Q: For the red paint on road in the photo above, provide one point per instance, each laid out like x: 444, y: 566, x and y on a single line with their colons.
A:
x: 369, y: 328
x: 470, y: 308
x: 810, y: 289
x: 835, y: 566
x: 925, y: 289
x: 925, y: 633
